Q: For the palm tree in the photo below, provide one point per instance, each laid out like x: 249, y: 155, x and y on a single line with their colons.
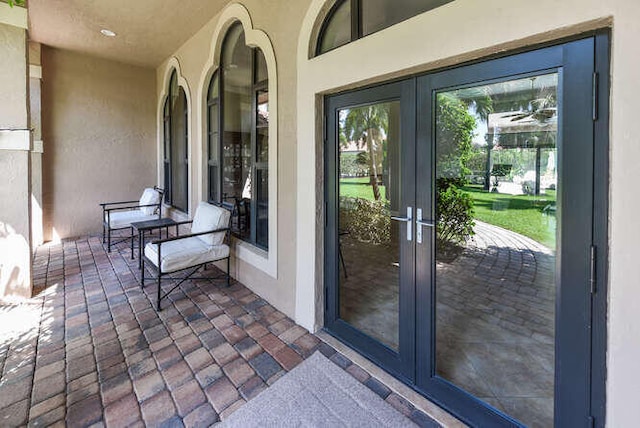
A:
x: 367, y: 127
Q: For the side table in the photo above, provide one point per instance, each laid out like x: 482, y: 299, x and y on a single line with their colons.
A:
x: 144, y: 226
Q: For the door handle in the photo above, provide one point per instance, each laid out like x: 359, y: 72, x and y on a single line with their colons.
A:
x: 419, y: 223
x: 408, y: 219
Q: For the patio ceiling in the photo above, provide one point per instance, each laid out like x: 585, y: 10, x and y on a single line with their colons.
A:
x: 148, y: 31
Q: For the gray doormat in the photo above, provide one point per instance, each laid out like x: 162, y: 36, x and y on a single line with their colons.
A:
x: 317, y: 393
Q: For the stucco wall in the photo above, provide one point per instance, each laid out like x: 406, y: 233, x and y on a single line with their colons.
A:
x: 13, y: 73
x: 15, y: 234
x: 98, y: 125
x: 468, y: 29
x: 35, y: 120
x: 281, y: 23
x: 15, y: 249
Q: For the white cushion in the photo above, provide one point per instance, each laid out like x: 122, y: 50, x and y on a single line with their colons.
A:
x: 184, y: 253
x: 210, y: 217
x: 122, y: 219
x: 149, y: 196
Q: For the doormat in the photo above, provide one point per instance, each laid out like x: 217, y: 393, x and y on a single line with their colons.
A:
x: 317, y: 393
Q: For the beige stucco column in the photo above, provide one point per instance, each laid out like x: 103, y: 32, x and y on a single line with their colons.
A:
x: 15, y: 165
x: 37, y: 148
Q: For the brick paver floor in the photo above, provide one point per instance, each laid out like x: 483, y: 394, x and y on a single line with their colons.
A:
x: 90, y: 350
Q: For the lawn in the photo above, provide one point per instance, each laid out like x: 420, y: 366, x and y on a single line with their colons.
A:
x: 523, y: 214
x: 358, y: 187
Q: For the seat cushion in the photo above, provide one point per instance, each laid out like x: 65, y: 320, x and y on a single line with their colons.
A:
x: 149, y: 196
x: 121, y: 219
x: 184, y: 253
x: 210, y: 217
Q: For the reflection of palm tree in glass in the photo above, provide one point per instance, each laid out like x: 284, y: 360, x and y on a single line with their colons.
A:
x: 367, y: 127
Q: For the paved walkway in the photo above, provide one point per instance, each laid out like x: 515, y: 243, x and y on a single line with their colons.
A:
x: 90, y: 350
x: 503, y: 278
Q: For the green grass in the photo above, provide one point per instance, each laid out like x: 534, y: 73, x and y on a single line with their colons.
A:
x: 358, y: 187
x: 520, y: 213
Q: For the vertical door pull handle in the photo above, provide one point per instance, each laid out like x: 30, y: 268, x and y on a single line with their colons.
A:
x: 408, y: 219
x: 419, y: 223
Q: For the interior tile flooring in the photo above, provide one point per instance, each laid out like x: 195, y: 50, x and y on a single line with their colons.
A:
x: 90, y: 350
x: 494, y: 316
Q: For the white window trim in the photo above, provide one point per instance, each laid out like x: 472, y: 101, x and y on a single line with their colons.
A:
x: 15, y: 16
x: 266, y: 261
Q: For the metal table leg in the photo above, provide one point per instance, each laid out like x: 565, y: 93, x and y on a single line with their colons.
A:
x: 140, y: 242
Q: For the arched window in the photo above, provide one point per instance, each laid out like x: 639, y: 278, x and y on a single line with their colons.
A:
x: 176, y: 154
x: 213, y: 138
x: 238, y: 134
x: 349, y: 20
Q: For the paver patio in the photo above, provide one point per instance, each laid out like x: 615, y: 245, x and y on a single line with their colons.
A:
x: 90, y: 350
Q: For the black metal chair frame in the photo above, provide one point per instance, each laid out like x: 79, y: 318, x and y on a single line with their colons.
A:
x: 195, y: 268
x: 108, y: 207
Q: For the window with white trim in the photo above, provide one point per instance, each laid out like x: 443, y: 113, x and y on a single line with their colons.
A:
x: 238, y: 137
x: 176, y: 153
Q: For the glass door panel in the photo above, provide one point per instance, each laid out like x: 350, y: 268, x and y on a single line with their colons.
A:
x: 369, y: 197
x: 459, y: 233
x: 496, y: 183
x: 369, y: 239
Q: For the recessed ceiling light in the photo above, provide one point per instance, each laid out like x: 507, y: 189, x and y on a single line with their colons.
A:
x: 107, y: 33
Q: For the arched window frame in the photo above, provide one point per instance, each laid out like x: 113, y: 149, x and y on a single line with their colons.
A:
x: 263, y: 260
x: 213, y: 148
x: 356, y: 22
x: 246, y: 215
x: 166, y: 143
x: 166, y: 122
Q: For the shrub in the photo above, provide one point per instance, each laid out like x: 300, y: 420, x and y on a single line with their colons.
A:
x: 369, y: 221
x: 366, y: 220
x: 454, y: 209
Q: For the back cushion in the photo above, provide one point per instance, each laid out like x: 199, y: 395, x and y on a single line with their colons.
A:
x: 210, y: 217
x: 149, y: 196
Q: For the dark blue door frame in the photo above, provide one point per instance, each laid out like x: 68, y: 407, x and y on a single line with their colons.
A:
x: 583, y: 68
x: 402, y: 362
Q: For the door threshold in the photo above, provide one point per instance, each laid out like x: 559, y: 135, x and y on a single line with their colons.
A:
x: 421, y: 403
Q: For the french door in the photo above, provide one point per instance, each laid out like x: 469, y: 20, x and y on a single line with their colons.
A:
x: 373, y: 139
x: 459, y: 244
